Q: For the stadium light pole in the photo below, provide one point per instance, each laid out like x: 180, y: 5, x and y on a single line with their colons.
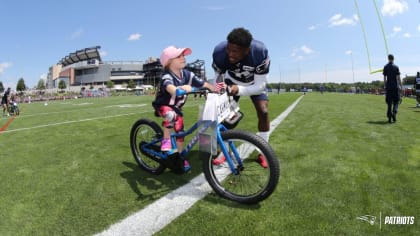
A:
x: 352, y: 65
x: 279, y: 80
x: 298, y: 72
x: 349, y: 52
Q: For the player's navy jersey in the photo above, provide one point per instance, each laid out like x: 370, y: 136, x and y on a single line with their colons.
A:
x: 391, y: 71
x: 256, y: 62
x: 164, y: 98
x: 4, y: 97
x: 418, y: 85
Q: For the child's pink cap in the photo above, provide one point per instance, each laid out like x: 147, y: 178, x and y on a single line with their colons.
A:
x: 172, y: 52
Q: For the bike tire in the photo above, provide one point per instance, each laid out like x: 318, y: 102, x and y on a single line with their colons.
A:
x: 253, y: 183
x: 146, y: 131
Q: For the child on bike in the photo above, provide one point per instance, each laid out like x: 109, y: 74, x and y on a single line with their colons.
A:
x: 171, y: 95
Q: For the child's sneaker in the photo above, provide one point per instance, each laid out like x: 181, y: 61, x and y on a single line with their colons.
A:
x: 166, y: 145
x: 187, y: 166
x: 218, y: 160
x: 262, y: 161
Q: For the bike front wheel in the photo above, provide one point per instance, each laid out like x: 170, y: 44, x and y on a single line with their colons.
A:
x: 251, y: 182
x: 146, y: 131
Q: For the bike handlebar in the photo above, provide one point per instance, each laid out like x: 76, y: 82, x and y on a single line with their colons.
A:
x: 194, y: 90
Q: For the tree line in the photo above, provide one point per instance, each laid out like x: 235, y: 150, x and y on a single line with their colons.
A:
x: 329, y: 87
x: 367, y: 87
x: 20, y: 87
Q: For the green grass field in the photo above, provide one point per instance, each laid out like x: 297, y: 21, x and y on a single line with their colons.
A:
x: 67, y: 169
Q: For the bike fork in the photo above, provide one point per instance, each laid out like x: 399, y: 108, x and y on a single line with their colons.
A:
x: 229, y: 158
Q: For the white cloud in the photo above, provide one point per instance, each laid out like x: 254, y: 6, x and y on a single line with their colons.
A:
x: 335, y: 17
x: 4, y: 66
x: 407, y: 35
x: 338, y: 20
x: 396, y: 29
x: 306, y: 49
x: 77, y: 34
x: 103, y: 53
x: 295, y: 55
x: 394, y: 7
x: 134, y: 37
x: 312, y: 27
x: 300, y: 53
x: 418, y: 28
x: 349, y: 52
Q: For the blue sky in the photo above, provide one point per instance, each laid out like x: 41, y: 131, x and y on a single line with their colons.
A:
x: 308, y: 41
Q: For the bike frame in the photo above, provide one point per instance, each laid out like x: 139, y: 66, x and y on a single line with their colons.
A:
x: 204, y: 126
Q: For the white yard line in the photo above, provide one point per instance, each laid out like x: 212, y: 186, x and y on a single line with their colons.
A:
x: 133, y: 105
x: 163, y: 211
x: 67, y: 122
x: 77, y: 121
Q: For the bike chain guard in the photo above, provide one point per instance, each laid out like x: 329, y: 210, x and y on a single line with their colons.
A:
x: 173, y: 161
x: 176, y: 163
x: 155, y: 148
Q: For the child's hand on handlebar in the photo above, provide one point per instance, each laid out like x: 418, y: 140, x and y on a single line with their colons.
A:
x: 182, y: 90
x: 186, y: 87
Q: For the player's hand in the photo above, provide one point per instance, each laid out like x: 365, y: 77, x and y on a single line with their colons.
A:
x: 233, y: 90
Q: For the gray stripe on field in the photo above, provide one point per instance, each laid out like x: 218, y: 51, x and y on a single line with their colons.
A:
x: 163, y: 211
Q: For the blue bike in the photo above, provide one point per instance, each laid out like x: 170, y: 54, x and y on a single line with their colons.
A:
x: 240, y: 178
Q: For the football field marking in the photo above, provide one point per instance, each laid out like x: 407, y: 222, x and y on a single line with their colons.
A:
x: 68, y: 122
x: 4, y: 127
x: 160, y: 213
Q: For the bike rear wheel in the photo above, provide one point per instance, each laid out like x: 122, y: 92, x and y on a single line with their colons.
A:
x: 146, y: 131
x: 252, y: 183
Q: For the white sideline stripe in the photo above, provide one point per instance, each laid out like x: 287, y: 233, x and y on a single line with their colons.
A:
x: 127, y: 105
x: 67, y: 122
x: 68, y: 103
x: 160, y: 213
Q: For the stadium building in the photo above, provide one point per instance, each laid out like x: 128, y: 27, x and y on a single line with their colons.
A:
x: 86, y: 68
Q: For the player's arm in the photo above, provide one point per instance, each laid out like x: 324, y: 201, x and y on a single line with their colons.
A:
x: 384, y: 74
x: 399, y: 82
x: 384, y: 81
x: 256, y: 88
